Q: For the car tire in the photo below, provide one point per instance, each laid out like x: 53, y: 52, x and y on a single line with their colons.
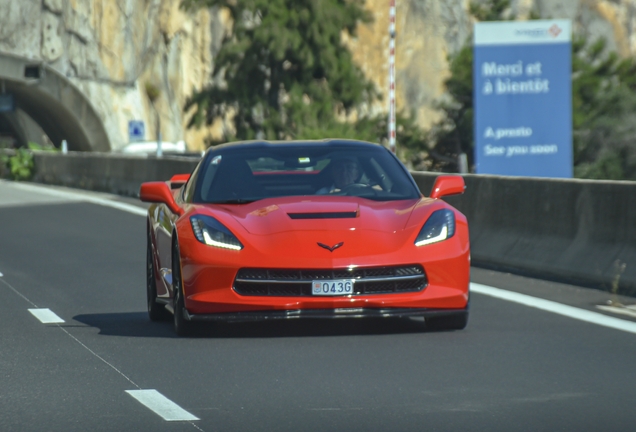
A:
x: 156, y: 311
x: 447, y: 322
x: 182, y: 326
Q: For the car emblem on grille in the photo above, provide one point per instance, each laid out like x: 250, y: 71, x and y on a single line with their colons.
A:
x: 330, y: 248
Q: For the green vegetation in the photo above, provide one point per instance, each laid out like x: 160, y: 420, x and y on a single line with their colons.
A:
x: 284, y: 73
x: 603, y: 107
x: 604, y: 112
x: 21, y: 164
x: 152, y: 92
x: 18, y: 164
x: 454, y: 133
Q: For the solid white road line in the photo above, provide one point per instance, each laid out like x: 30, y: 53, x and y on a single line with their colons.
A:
x: 161, y: 405
x: 83, y: 197
x: 46, y: 316
x: 557, y: 308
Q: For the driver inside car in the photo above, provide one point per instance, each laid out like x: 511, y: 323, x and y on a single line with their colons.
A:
x: 344, y: 172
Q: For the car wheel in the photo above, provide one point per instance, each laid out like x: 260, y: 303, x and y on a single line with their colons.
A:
x: 156, y: 311
x: 182, y: 326
x: 448, y: 322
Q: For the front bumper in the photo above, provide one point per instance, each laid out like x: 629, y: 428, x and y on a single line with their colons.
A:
x: 209, y: 275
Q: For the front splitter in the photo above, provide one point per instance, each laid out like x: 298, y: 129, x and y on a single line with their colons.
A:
x: 324, y: 314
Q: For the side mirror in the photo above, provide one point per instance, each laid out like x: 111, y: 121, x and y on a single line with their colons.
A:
x: 159, y: 192
x: 448, y: 185
x: 179, y: 180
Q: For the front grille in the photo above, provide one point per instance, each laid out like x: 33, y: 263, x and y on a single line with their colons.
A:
x: 293, y: 283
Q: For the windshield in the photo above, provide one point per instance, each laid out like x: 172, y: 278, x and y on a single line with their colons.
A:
x: 242, y: 174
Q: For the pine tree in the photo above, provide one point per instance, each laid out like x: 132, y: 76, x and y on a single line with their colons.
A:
x: 284, y: 69
x: 604, y: 112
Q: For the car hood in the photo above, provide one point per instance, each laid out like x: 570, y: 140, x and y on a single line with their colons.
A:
x: 278, y: 215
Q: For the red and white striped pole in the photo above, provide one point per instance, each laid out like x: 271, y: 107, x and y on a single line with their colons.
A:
x: 392, y: 76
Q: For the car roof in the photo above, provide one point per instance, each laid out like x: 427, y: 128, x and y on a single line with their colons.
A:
x: 308, y: 143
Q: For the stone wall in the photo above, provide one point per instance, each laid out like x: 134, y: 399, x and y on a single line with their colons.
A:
x: 112, y: 48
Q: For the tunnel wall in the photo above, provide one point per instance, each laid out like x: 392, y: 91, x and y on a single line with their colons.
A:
x: 580, y: 231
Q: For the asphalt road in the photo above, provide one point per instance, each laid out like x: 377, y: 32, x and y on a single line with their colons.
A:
x: 515, y: 368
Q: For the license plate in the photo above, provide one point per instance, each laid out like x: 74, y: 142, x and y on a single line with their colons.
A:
x: 332, y: 287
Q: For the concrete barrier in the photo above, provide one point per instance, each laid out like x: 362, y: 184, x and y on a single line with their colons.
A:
x: 582, y: 231
x: 107, y: 172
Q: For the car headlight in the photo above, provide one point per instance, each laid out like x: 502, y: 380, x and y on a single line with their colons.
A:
x: 439, y: 226
x: 213, y: 233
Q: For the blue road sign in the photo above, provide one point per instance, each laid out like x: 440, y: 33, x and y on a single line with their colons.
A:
x: 522, y: 77
x: 136, y: 130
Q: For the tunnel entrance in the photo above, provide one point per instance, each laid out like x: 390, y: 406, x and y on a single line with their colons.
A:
x: 44, y: 97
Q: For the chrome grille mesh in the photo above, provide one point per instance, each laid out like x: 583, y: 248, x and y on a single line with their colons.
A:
x: 292, y: 283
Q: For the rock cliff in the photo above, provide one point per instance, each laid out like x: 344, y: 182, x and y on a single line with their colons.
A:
x: 113, y: 49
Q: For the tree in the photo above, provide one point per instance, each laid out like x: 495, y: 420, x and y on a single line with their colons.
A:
x: 604, y: 112
x: 284, y: 71
x: 453, y: 134
x: 603, y: 107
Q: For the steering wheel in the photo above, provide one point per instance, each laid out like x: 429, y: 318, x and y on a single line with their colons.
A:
x: 353, y: 189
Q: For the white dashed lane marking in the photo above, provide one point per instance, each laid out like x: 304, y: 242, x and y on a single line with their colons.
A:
x: 46, y: 316
x: 161, y: 405
x: 151, y: 399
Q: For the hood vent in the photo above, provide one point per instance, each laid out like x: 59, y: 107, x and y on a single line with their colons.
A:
x: 324, y: 215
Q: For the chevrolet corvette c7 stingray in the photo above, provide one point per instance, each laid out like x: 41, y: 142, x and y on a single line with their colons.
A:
x: 318, y: 229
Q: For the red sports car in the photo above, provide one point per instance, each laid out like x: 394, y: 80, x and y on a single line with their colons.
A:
x: 294, y: 229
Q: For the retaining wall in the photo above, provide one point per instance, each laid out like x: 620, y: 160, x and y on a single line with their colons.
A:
x: 572, y: 230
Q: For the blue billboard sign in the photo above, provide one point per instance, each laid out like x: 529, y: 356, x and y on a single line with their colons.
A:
x: 523, y: 98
